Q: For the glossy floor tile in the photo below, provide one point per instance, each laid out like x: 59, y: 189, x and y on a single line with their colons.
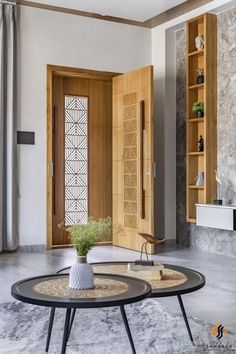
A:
x: 216, y: 302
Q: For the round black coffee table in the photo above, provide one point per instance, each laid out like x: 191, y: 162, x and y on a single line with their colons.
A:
x: 53, y: 291
x: 176, y: 282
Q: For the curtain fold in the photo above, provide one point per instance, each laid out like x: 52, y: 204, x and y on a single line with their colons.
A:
x: 9, y: 239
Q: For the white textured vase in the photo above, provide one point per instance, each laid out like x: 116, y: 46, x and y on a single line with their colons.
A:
x: 81, y: 275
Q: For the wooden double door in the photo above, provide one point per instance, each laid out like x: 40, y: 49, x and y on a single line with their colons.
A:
x: 102, y: 153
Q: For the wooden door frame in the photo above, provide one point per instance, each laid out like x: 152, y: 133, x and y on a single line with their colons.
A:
x: 64, y: 72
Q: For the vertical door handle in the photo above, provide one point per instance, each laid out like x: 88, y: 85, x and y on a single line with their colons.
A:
x: 50, y: 169
x: 154, y: 170
x: 54, y: 127
x: 142, y: 131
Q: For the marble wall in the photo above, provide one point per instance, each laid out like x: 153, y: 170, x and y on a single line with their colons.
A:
x: 182, y: 228
x: 212, y: 240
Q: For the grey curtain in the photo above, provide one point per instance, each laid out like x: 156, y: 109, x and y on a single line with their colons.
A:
x: 8, y: 169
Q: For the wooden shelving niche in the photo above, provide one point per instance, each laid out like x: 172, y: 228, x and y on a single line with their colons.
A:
x: 201, y: 161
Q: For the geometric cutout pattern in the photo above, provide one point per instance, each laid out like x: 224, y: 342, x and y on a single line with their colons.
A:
x: 130, y: 194
x: 130, y: 126
x: 131, y: 113
x: 130, y: 100
x: 130, y: 139
x: 130, y: 207
x: 130, y: 181
x: 130, y: 161
x: 130, y: 221
x: 76, y: 160
x: 130, y: 167
x: 130, y: 153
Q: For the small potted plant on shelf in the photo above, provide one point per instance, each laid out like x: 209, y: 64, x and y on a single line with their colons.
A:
x: 198, y: 108
x: 83, y: 238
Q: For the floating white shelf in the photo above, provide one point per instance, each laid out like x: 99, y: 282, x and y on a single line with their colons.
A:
x: 217, y: 216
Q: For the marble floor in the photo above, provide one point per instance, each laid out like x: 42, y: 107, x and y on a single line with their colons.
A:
x: 216, y: 302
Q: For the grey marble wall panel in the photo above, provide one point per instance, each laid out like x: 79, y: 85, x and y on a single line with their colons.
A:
x: 226, y: 108
x: 211, y: 240
x: 182, y: 228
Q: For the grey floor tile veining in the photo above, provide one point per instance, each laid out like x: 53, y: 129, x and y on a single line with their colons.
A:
x: 216, y: 302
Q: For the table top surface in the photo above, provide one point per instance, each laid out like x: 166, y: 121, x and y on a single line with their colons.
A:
x: 176, y: 280
x: 53, y: 291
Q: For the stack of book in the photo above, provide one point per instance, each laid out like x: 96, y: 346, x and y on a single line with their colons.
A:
x: 152, y: 272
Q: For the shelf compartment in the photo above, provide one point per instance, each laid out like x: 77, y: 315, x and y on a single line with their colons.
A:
x: 194, y: 132
x: 197, y: 86
x: 193, y: 221
x: 195, y: 196
x: 196, y: 52
x: 195, y: 28
x: 196, y: 187
x: 195, y: 62
x: 195, y: 165
x: 194, y: 116
x: 196, y: 153
x: 196, y: 120
x: 194, y: 96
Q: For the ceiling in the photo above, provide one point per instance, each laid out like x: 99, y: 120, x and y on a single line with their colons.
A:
x: 137, y: 10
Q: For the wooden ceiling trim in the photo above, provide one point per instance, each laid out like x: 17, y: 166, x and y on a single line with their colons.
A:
x: 155, y: 21
x: 81, y: 13
x: 174, y: 12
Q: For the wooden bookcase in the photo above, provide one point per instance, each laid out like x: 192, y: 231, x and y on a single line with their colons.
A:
x: 205, y: 161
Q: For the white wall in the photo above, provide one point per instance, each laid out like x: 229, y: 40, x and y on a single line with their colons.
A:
x: 61, y: 39
x: 158, y: 60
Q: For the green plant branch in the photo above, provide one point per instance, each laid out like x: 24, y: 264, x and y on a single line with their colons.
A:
x: 85, y: 236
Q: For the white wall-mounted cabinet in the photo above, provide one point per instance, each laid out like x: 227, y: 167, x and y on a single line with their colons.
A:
x: 216, y: 216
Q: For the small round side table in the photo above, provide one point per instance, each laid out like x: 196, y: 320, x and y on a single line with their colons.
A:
x: 53, y: 291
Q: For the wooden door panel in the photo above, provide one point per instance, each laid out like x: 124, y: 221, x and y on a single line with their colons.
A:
x: 100, y: 160
x: 133, y: 158
x: 99, y: 93
x: 59, y: 237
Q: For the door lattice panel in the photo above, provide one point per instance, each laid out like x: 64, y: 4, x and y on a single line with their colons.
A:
x: 76, y: 160
x: 130, y: 161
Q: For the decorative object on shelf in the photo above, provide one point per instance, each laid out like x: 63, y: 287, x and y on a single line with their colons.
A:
x: 219, y: 184
x: 201, y: 144
x: 200, y: 179
x: 199, y: 42
x: 149, y: 239
x: 198, y: 109
x: 200, y: 76
x: 84, y: 237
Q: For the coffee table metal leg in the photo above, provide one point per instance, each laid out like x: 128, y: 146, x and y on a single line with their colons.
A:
x: 185, y: 318
x: 71, y: 322
x: 66, y: 331
x: 51, y: 320
x: 122, y: 309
